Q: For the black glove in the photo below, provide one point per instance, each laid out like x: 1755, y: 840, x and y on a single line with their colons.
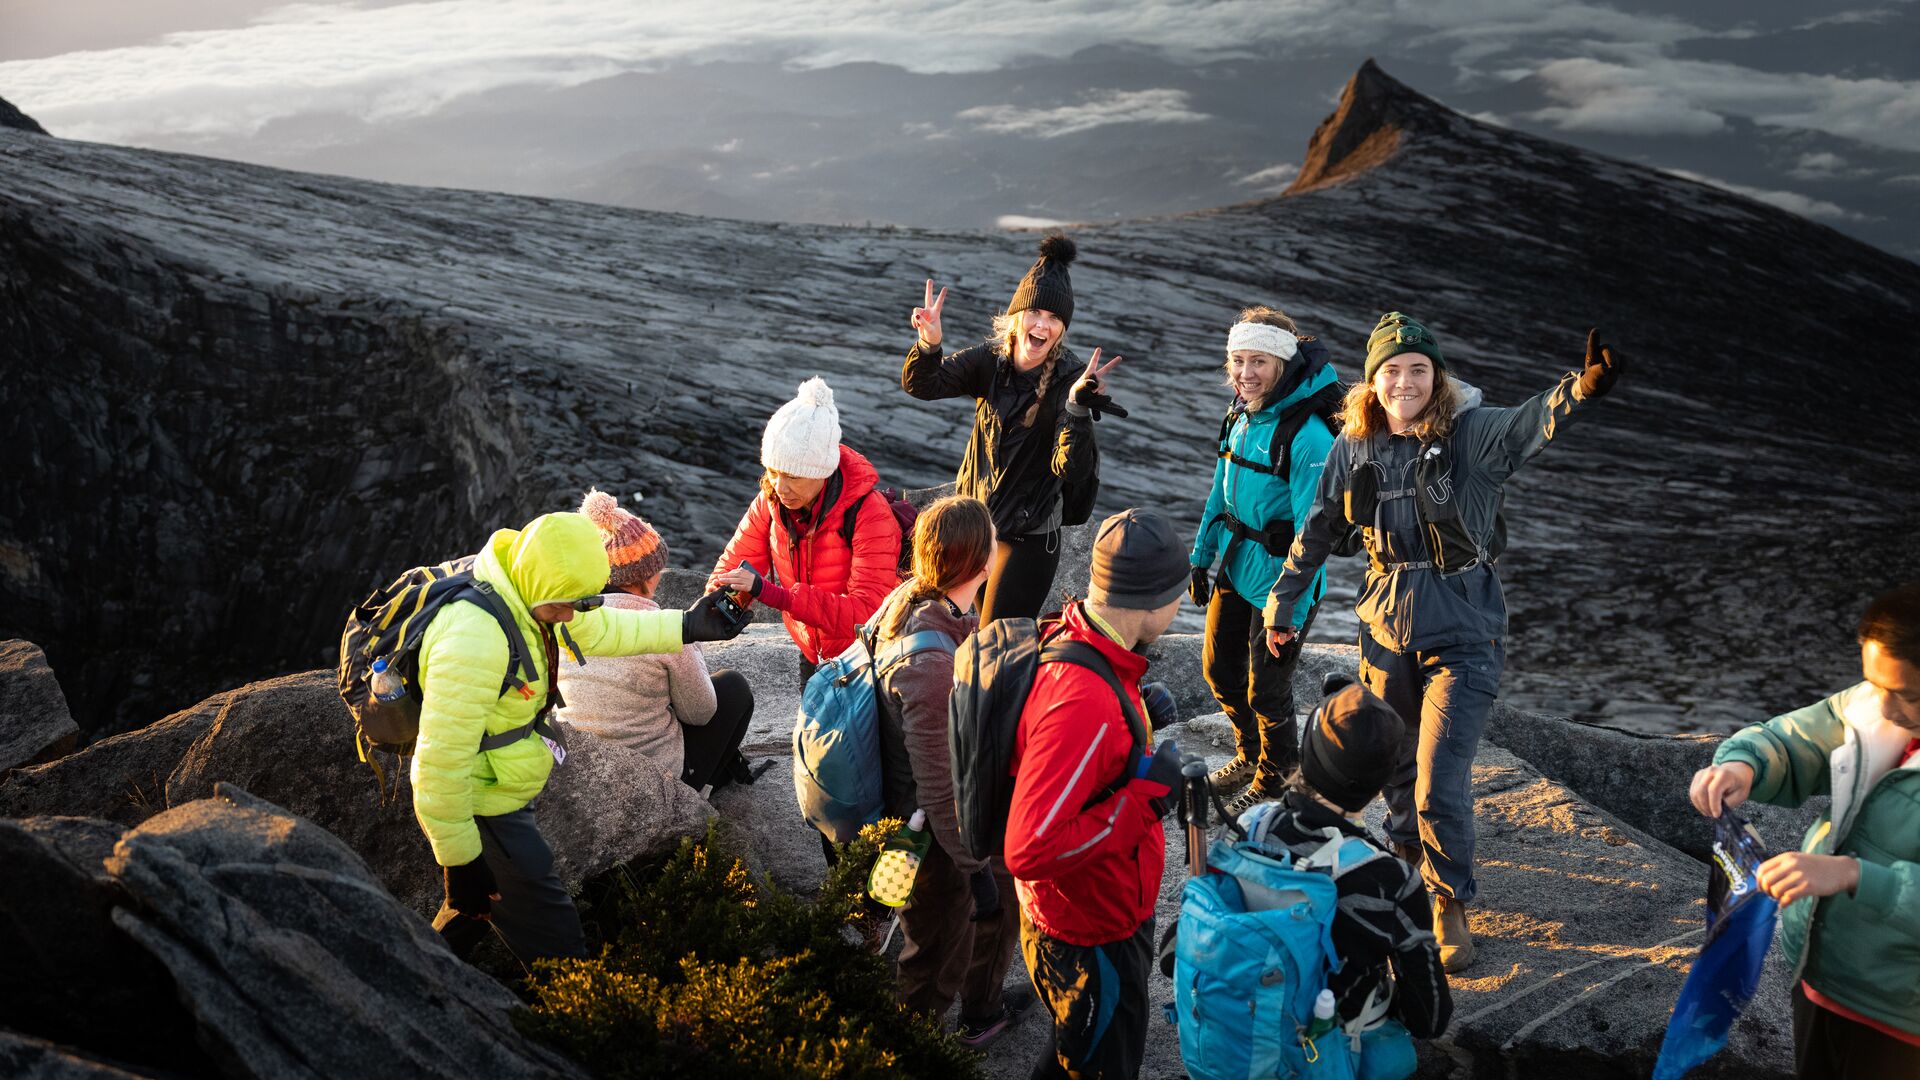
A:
x: 986, y: 893
x: 1095, y: 401
x: 471, y: 889
x: 1200, y: 588
x: 1162, y: 707
x: 1163, y: 768
x: 713, y: 617
x: 1599, y: 370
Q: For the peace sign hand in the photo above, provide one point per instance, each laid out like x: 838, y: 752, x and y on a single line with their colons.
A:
x: 926, y: 318
x: 1090, y: 391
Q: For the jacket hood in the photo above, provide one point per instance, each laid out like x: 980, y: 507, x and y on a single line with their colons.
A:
x: 1315, y: 375
x: 930, y: 614
x: 1470, y: 395
x: 1128, y: 665
x: 555, y: 558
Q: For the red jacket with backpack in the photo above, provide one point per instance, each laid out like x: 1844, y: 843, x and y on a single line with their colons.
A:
x: 829, y: 586
x: 1087, y: 875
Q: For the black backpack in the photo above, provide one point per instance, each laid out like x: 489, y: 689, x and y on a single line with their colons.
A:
x: 388, y: 625
x: 1277, y: 536
x: 993, y: 673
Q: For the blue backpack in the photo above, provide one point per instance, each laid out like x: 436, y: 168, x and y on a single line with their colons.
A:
x: 1253, y: 949
x: 836, y: 738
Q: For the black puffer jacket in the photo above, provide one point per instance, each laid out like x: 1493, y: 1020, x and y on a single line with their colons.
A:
x: 1017, y: 471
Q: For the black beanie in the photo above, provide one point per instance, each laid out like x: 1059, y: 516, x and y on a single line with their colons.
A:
x: 1352, y: 747
x: 1139, y: 562
x: 1047, y: 285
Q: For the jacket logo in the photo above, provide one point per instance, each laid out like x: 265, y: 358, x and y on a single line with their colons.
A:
x: 1441, y: 492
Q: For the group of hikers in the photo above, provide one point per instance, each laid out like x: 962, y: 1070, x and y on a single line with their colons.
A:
x: 1407, y: 466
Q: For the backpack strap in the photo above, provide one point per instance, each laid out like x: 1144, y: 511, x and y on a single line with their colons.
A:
x: 900, y: 649
x: 1341, y: 854
x: 483, y: 594
x: 1081, y: 654
x: 850, y: 520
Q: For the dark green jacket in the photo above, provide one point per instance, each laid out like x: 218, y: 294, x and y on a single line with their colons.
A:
x: 1863, y: 950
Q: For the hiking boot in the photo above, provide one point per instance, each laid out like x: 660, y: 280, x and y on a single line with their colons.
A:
x: 1233, y: 775
x: 1450, y: 927
x: 1248, y: 799
x: 979, y: 1034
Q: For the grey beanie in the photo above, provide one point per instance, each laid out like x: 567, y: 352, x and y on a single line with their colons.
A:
x: 1139, y: 562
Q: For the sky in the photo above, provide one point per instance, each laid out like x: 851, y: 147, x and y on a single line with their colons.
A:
x: 833, y: 110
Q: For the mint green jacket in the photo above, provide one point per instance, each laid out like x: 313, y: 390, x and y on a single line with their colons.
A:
x: 1863, y: 950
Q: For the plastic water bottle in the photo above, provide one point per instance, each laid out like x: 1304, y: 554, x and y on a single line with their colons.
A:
x: 1322, y: 1015
x: 891, y: 882
x: 387, y: 685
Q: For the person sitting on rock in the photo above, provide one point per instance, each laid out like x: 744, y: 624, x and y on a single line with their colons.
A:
x: 828, y: 545
x: 1084, y: 840
x: 1420, y: 472
x: 1032, y: 442
x: 664, y: 705
x: 473, y: 803
x: 1383, y: 927
x: 1850, y: 897
x: 1272, y: 448
x: 959, y: 936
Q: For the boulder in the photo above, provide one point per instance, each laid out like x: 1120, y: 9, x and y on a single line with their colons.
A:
x: 292, y: 740
x: 34, y: 723
x: 122, y: 779
x: 26, y: 1056
x: 294, y: 961
x: 70, y: 976
x: 1642, y: 779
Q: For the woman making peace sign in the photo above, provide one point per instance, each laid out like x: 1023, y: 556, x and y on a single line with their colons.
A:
x: 1031, y: 457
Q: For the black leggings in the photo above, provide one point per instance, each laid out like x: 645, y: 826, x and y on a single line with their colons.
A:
x: 1021, y: 577
x: 711, y: 747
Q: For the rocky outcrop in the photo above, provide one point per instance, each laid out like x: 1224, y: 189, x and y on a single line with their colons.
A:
x: 34, y: 723
x: 12, y: 117
x: 295, y: 962
x: 1375, y: 113
x: 181, y: 515
x: 22, y: 1055
x: 292, y: 740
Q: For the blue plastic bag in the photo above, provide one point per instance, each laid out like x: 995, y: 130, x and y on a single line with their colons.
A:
x: 1740, y: 922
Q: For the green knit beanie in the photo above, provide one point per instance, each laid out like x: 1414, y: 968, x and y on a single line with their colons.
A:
x: 1395, y: 334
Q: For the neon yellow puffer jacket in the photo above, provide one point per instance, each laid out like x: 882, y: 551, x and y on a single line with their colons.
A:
x: 557, y: 557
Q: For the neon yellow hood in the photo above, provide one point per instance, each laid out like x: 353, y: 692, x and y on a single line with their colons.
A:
x: 557, y: 558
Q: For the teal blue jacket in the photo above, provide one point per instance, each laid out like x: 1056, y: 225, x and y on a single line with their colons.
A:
x: 1259, y: 498
x: 1861, y: 950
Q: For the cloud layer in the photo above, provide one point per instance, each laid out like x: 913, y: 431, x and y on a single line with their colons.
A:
x: 1095, y: 109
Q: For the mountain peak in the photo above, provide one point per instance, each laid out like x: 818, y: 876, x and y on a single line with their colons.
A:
x: 11, y: 117
x: 1375, y: 110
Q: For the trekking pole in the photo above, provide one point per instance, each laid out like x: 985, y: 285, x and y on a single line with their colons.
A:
x: 1194, y: 793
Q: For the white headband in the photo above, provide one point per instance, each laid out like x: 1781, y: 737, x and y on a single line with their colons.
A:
x: 1261, y: 337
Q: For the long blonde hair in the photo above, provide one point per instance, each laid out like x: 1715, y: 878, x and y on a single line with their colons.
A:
x: 1362, y: 417
x: 1006, y: 338
x: 952, y: 541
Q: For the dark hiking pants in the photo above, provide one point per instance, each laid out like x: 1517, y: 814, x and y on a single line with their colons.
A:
x: 1828, y: 1046
x: 1098, y: 997
x: 946, y: 954
x: 1444, y: 696
x: 1020, y: 577
x: 534, y: 915
x: 1254, y: 687
x: 709, y: 748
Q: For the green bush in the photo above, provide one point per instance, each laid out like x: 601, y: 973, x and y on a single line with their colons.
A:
x: 706, y: 972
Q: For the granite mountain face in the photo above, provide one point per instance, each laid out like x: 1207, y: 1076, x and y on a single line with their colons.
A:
x: 237, y: 398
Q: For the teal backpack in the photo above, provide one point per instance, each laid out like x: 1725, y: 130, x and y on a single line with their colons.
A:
x: 836, y: 738
x: 1252, y: 950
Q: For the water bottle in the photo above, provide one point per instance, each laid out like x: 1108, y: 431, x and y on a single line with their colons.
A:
x: 1322, y: 1015
x: 386, y: 684
x: 891, y: 882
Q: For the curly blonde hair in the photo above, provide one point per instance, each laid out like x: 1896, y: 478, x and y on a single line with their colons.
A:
x: 1361, y: 416
x: 1006, y: 338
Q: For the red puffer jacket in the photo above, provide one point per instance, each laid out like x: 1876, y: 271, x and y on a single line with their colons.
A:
x: 1087, y: 875
x: 822, y: 589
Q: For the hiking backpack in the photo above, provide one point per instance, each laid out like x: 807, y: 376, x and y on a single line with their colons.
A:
x: 389, y: 625
x: 993, y: 672
x: 904, y: 512
x: 1277, y: 536
x: 836, y: 737
x: 1252, y: 950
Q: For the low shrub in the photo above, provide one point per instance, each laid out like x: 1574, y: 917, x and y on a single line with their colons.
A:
x: 707, y: 972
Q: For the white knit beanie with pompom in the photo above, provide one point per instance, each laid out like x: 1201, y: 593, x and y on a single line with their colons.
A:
x: 803, y: 438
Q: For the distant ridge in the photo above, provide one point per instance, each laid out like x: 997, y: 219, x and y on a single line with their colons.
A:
x: 1365, y: 130
x: 11, y: 117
